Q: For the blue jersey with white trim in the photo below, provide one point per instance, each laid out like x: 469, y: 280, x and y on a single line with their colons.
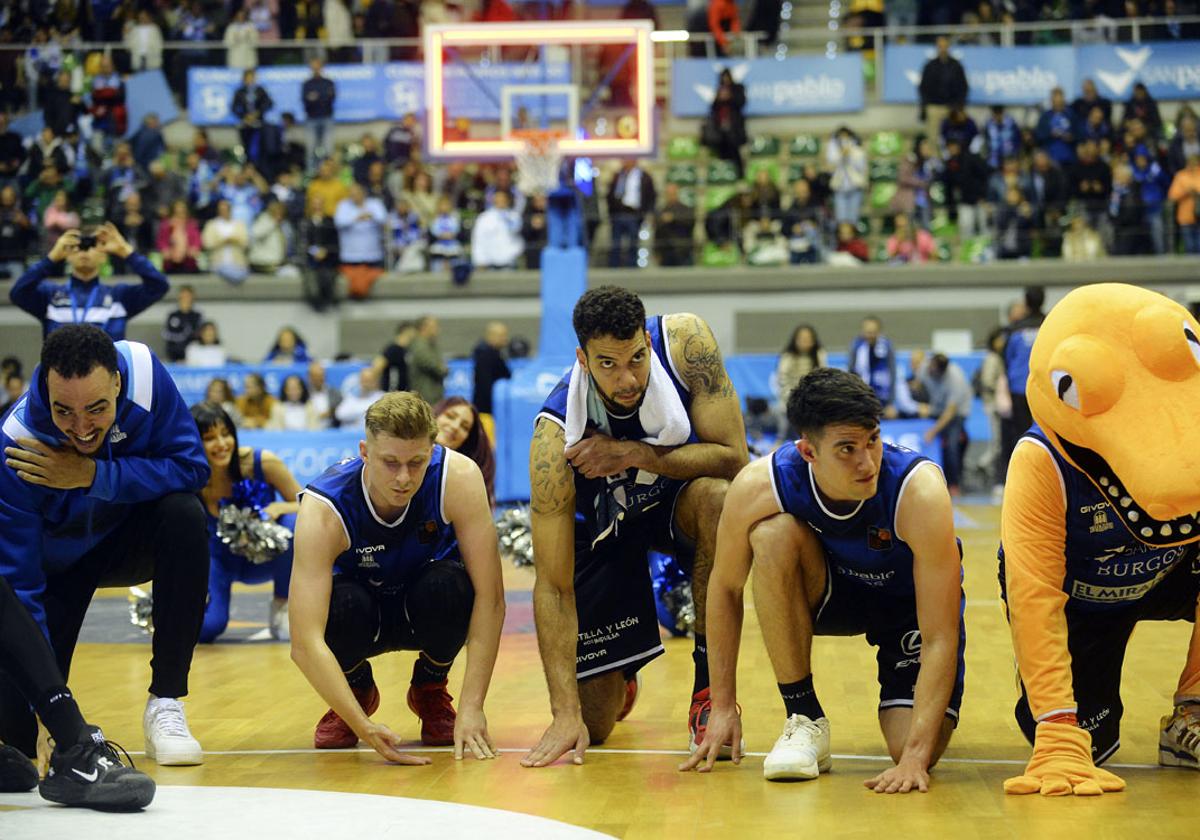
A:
x: 385, y: 553
x: 607, y: 504
x: 862, y: 545
x: 1107, y: 567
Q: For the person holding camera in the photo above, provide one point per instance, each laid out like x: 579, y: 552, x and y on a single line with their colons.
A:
x: 83, y: 298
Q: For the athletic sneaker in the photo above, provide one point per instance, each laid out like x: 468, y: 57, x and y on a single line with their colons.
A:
x: 698, y: 724
x: 91, y: 775
x: 1179, y: 742
x: 431, y: 703
x: 632, y: 687
x: 168, y: 740
x: 333, y: 733
x: 17, y: 773
x: 802, y: 751
x: 280, y: 627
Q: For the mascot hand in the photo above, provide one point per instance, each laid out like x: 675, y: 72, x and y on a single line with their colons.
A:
x: 1062, y: 764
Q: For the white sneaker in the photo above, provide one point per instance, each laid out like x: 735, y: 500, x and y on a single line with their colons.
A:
x: 168, y: 740
x: 280, y: 628
x: 802, y: 751
x: 1179, y: 739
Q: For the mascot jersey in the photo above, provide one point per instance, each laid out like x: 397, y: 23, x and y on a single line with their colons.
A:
x: 598, y: 501
x: 862, y: 545
x: 385, y: 553
x: 1106, y: 566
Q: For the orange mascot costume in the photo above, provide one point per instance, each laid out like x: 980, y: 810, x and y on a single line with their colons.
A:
x: 1099, y: 528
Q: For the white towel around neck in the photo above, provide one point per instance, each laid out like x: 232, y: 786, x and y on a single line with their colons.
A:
x: 661, y: 413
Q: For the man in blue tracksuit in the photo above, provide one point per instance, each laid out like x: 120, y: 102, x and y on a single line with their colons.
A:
x: 83, y: 299
x: 102, y: 462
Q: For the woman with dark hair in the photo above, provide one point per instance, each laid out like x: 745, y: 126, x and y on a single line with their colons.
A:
x: 800, y: 356
x: 259, y: 409
x: 297, y: 413
x: 246, y: 478
x: 289, y: 348
x: 459, y: 429
x: 725, y: 129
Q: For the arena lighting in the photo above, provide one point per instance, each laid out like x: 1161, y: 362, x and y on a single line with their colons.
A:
x: 664, y: 35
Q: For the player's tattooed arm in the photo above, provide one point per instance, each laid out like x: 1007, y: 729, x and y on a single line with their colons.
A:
x: 552, y: 482
x: 691, y: 342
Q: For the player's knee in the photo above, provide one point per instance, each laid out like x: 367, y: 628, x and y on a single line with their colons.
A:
x: 600, y: 701
x: 775, y: 543
x: 181, y: 514
x: 712, y: 500
x: 439, y: 605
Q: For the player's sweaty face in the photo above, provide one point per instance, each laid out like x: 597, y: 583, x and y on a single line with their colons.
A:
x: 620, y: 368
x: 847, y: 460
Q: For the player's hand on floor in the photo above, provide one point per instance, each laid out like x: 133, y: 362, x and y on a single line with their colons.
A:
x: 470, y: 733
x: 1062, y: 764
x: 722, y: 728
x: 45, y: 747
x: 387, y: 743
x: 905, y: 777
x: 565, y: 733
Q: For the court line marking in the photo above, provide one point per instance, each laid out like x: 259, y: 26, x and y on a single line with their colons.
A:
x: 615, y: 751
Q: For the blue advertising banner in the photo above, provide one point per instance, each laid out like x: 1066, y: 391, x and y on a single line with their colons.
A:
x: 1168, y: 70
x: 996, y: 75
x: 807, y: 85
x: 378, y: 91
x: 306, y: 454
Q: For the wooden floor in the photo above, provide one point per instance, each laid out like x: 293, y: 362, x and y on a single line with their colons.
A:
x: 254, y: 714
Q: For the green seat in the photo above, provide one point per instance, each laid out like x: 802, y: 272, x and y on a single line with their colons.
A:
x: 754, y: 166
x: 795, y: 172
x: 716, y: 256
x: 714, y: 197
x: 804, y: 145
x: 721, y: 172
x: 942, y: 228
x: 863, y: 227
x: 683, y: 148
x: 886, y: 144
x: 975, y: 250
x: 764, y: 146
x: 882, y: 195
x: 881, y: 254
x: 887, y: 225
x: 884, y: 170
x: 683, y: 174
x: 687, y: 195
x: 942, y: 252
x: 937, y: 194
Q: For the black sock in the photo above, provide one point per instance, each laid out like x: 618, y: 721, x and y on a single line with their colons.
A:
x: 60, y: 713
x: 426, y: 671
x: 700, y: 658
x: 800, y: 698
x: 361, y: 676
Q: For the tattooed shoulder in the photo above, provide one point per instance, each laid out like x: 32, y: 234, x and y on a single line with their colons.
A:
x: 551, y: 479
x: 696, y: 354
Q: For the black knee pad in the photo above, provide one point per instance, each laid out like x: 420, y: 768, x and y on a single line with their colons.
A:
x: 182, y: 511
x: 438, y: 605
x: 352, y: 623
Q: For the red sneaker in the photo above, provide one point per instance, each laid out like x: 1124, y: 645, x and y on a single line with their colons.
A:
x: 431, y: 703
x: 698, y: 723
x: 632, y: 687
x: 333, y: 733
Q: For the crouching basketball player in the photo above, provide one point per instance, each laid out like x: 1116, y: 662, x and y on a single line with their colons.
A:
x: 847, y: 536
x: 396, y: 550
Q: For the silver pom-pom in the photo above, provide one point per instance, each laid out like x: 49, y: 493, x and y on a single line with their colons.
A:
x: 249, y: 535
x: 678, y: 601
x: 516, y: 539
x: 141, y: 609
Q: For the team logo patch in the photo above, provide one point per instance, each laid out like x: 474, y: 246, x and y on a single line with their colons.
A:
x: 427, y: 532
x: 879, y: 539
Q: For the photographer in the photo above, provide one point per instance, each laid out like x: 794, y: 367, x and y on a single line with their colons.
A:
x: 83, y: 298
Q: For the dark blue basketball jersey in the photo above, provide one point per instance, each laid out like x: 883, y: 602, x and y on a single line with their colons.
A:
x: 387, y: 553
x: 861, y: 546
x: 604, y: 506
x: 1107, y: 567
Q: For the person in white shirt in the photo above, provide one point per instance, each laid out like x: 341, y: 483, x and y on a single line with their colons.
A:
x: 298, y: 413
x: 323, y: 398
x: 144, y: 41
x: 224, y: 239
x: 351, y: 413
x: 241, y: 42
x: 496, y: 237
x: 268, y: 239
x: 206, y: 350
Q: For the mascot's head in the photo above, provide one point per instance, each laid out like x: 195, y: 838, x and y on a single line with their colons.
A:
x: 1114, y: 382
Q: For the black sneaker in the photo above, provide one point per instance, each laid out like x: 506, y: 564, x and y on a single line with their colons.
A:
x: 90, y: 774
x: 17, y: 773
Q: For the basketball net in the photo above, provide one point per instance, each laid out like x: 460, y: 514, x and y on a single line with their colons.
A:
x: 538, y: 161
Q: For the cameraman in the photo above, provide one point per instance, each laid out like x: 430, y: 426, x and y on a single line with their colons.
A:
x: 83, y: 298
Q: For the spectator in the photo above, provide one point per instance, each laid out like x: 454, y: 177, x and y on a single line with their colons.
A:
x: 1142, y: 106
x: 426, y: 368
x: 1126, y: 214
x: 802, y: 226
x: 321, y: 250
x: 407, y: 240
x: 873, y: 361
x: 631, y: 197
x: 490, y: 365
x: 950, y: 400
x: 12, y: 152
x: 48, y: 150
x: 144, y: 41
x: 533, y: 230
x: 14, y: 388
x: 250, y: 105
x: 147, y: 142
x: 39, y: 195
x: 763, y: 241
x: 263, y: 14
x: 288, y: 192
x: 943, y: 85
x: 351, y: 412
x: 1057, y: 129
x: 289, y: 349
x: 339, y: 29
x: 136, y: 227
x: 501, y: 183
x: 1154, y: 188
x: 1098, y: 130
x: 392, y: 361
x: 724, y: 130
x: 60, y: 106
x: 207, y: 350
x: 360, y: 223
x: 259, y: 409
x: 444, y: 233
x: 917, y: 171
x: 241, y: 43
x: 370, y: 154
x: 723, y: 18
x: 1184, y: 189
x: 122, y: 178
x: 219, y: 393
x: 376, y: 186
x: 994, y: 394
x: 1046, y: 187
x: 1081, y: 243
x: 182, y: 325
x: 965, y: 177
x: 327, y: 187
x: 323, y: 398
x: 83, y: 298
x: 202, y: 186
x: 673, y: 229
x: 60, y: 217
x: 178, y: 241
x: 225, y: 240
x: 269, y: 237
x: 765, y: 195
x: 1017, y: 350
x: 1088, y: 99
x: 244, y: 188
x: 496, y: 237
x: 849, y: 242
x: 15, y: 234
x: 800, y: 356
x: 1091, y: 184
x: 909, y: 243
x: 400, y: 140
x: 848, y: 174
x: 422, y: 199
x: 296, y: 410
x: 958, y: 127
x: 1184, y: 144
x: 108, y: 109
